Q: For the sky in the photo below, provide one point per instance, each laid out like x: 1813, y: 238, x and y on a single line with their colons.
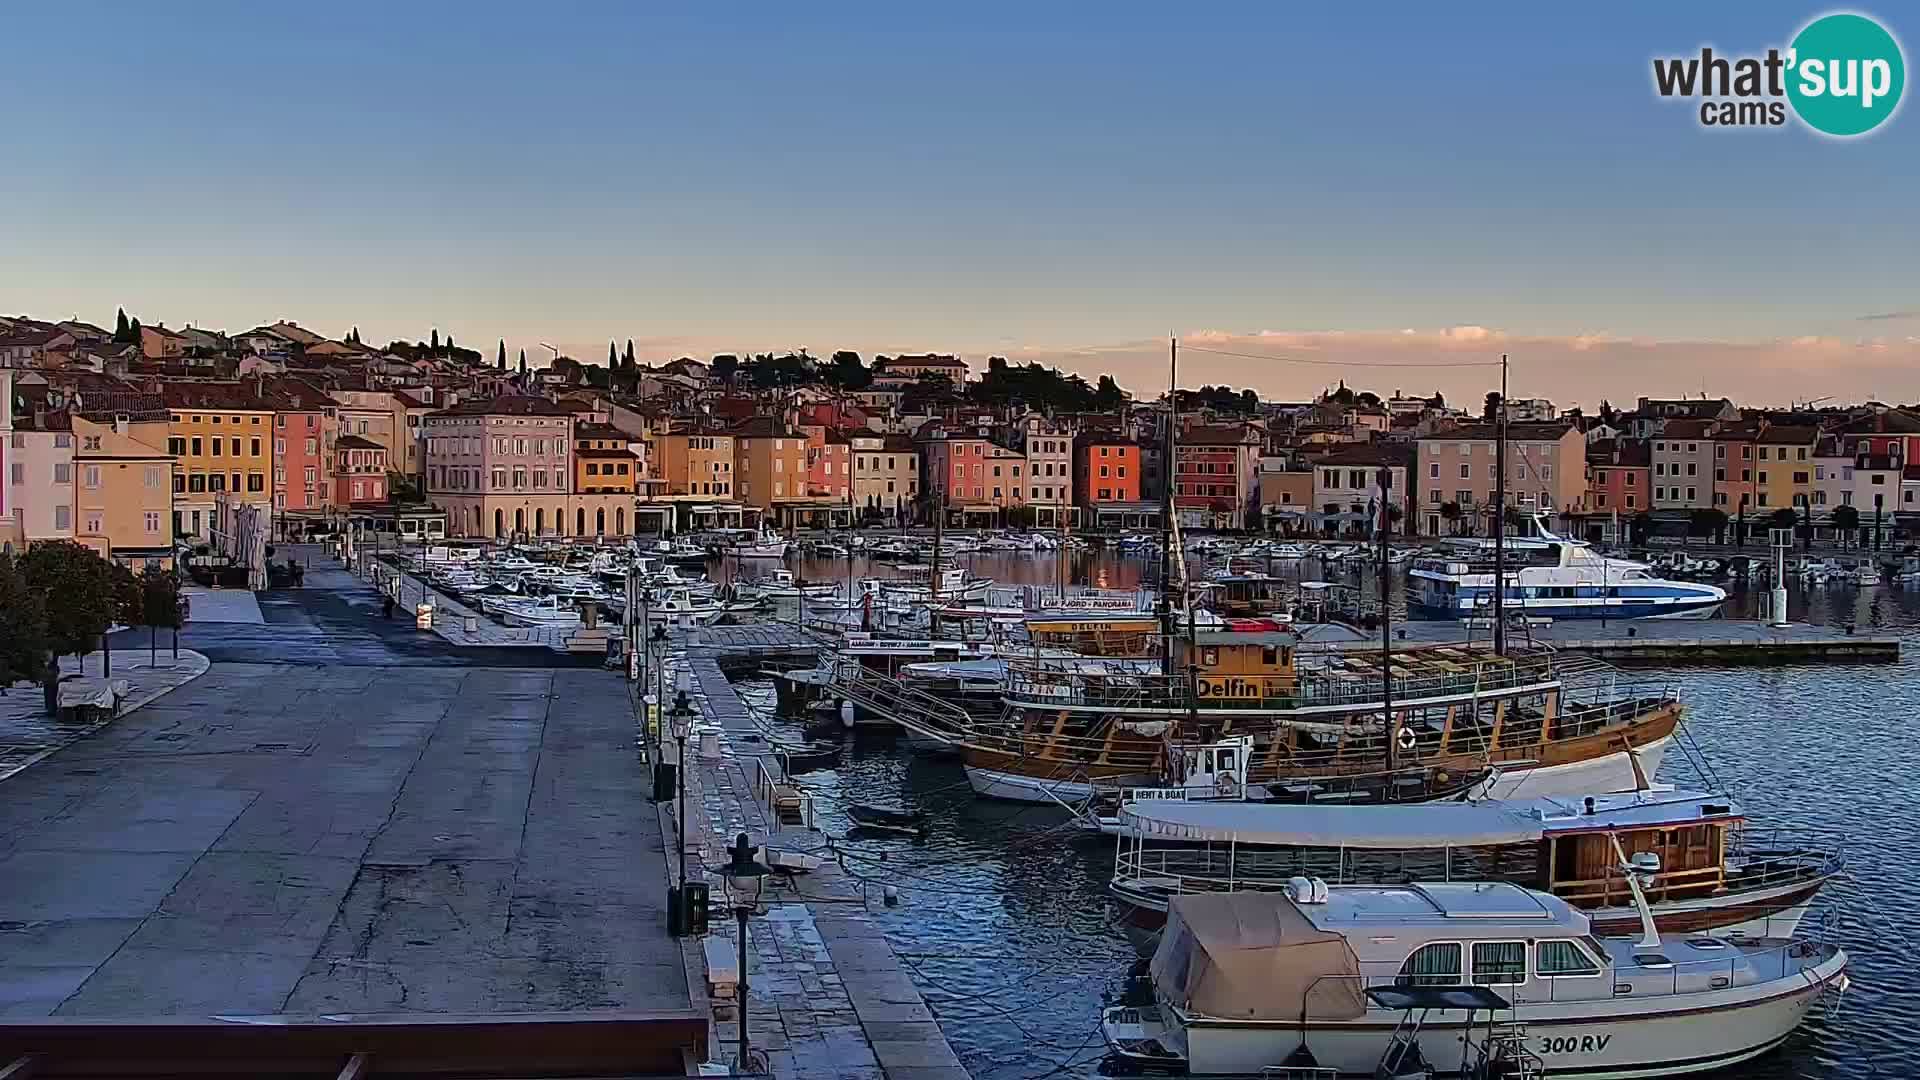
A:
x: 1399, y: 184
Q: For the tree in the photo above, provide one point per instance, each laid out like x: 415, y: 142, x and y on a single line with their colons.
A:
x: 120, y: 326
x: 523, y: 361
x: 1608, y: 414
x: 450, y: 345
x: 159, y: 605
x: 77, y: 591
x: 434, y: 343
x: 133, y: 331
x: 613, y: 356
x: 1639, y: 527
x: 1708, y: 521
x: 127, y: 601
x: 500, y: 358
x: 1107, y: 395
x: 23, y: 632
x: 1492, y: 407
x: 629, y: 363
x: 846, y: 372
x: 1450, y: 513
x: 724, y: 367
x: 1846, y: 522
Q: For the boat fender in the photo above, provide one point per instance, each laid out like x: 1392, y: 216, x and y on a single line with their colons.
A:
x: 846, y: 713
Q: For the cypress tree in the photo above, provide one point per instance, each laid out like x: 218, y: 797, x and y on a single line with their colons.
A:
x: 501, y: 361
x: 120, y: 325
x: 630, y: 364
x: 523, y: 361
x: 435, y: 345
x: 613, y: 357
x: 133, y: 331
x: 449, y: 343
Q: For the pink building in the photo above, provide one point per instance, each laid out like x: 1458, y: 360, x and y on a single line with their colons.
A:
x: 500, y: 467
x: 829, y: 464
x: 359, y: 472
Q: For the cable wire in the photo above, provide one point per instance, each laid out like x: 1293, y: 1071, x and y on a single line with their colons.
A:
x: 1343, y: 363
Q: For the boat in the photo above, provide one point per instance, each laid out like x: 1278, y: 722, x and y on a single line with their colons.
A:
x: 1552, y: 576
x: 806, y: 757
x: 545, y: 611
x: 680, y: 603
x: 887, y: 818
x: 764, y: 545
x: 1719, y: 874
x: 783, y: 584
x: 1550, y: 724
x: 1347, y: 981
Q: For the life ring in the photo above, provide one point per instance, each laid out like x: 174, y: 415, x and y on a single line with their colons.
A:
x: 1225, y: 783
x: 1407, y: 739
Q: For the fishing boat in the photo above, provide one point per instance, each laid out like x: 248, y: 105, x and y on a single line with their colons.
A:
x: 1389, y: 981
x: 782, y: 584
x: 1318, y: 720
x: 1719, y: 873
x: 545, y: 611
x: 673, y: 605
x: 1550, y: 575
x: 887, y: 818
x: 766, y: 544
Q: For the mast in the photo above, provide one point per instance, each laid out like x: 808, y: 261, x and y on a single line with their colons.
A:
x: 1166, y: 511
x: 1500, y: 515
x: 933, y: 584
x: 1386, y: 623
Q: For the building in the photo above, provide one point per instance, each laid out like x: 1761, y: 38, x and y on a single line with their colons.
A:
x: 1734, y: 446
x: 602, y: 463
x: 123, y: 490
x: 1107, y: 482
x: 1047, y: 445
x: 696, y: 463
x: 160, y: 343
x: 501, y: 467
x: 1892, y: 433
x: 972, y: 475
x: 886, y: 475
x: 911, y: 368
x: 1286, y: 493
x: 769, y: 463
x: 304, y: 432
x: 1346, y: 489
x: 10, y: 535
x: 1650, y: 415
x: 359, y: 473
x: 1869, y: 483
x: 829, y: 464
x: 40, y: 470
x: 1531, y: 411
x: 1682, y: 463
x: 221, y: 438
x: 1783, y: 469
x: 1216, y: 476
x: 1546, y: 468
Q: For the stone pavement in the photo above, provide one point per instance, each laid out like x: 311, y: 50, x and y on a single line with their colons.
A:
x: 28, y: 734
x: 451, y: 616
x: 827, y: 997
x: 222, y: 606
x: 290, y: 838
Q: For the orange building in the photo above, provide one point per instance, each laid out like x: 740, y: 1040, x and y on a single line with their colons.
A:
x: 1106, y: 481
x: 769, y: 462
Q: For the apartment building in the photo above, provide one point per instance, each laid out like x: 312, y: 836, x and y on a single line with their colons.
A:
x: 886, y: 474
x: 501, y: 467
x: 1546, y: 468
x: 1734, y: 456
x: 769, y: 462
x: 123, y: 490
x: 695, y: 463
x: 1216, y: 476
x: 1681, y: 461
x: 40, y: 472
x: 1346, y: 488
x: 1047, y: 445
x: 829, y: 464
x: 359, y: 472
x: 1620, y: 479
x: 221, y: 438
x: 1783, y: 466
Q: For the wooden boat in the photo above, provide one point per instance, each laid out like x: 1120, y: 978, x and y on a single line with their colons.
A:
x: 1551, y: 725
x: 807, y: 757
x: 887, y: 818
x: 1718, y: 874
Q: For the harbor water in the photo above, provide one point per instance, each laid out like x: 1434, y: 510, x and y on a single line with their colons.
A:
x: 1005, y: 923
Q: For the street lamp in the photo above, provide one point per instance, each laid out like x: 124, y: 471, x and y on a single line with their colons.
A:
x: 682, y: 722
x: 744, y: 879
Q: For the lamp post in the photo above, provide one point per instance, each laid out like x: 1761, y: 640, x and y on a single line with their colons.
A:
x: 682, y: 721
x: 744, y: 878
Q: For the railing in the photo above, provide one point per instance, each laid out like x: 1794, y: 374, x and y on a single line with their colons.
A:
x: 916, y: 710
x: 774, y: 792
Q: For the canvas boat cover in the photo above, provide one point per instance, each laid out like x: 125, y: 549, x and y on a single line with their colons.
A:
x: 1254, y: 956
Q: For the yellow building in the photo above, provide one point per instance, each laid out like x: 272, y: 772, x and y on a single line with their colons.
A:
x: 123, y: 494
x: 696, y: 463
x: 769, y: 462
x: 601, y: 461
x: 1783, y: 467
x: 221, y: 439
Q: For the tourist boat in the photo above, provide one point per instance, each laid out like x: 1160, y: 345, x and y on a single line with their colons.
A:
x: 1552, y: 576
x: 1549, y: 723
x: 1719, y: 874
x: 1238, y: 592
x: 1387, y: 981
x: 954, y: 586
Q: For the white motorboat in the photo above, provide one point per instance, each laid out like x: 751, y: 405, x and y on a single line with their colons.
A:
x: 545, y: 611
x: 782, y: 584
x: 678, y: 604
x: 1381, y: 980
x: 766, y: 544
x: 1552, y: 576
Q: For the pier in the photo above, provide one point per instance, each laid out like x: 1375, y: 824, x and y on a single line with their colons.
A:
x: 827, y: 996
x: 1715, y: 642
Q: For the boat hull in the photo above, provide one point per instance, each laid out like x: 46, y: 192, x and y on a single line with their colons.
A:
x: 1600, y: 774
x: 1602, y: 1039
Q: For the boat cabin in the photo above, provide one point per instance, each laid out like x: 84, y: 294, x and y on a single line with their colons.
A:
x: 1129, y: 636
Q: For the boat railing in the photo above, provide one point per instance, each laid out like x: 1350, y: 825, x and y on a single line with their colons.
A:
x: 921, y: 712
x: 1651, y: 974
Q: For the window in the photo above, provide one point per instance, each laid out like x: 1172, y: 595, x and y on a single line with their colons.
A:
x: 197, y: 483
x: 235, y: 447
x: 179, y: 484
x: 176, y: 446
x: 1563, y: 959
x: 216, y: 446
x: 153, y: 521
x: 1499, y: 962
x: 62, y: 516
x: 19, y: 472
x: 90, y: 477
x: 1437, y: 964
x: 62, y: 473
x: 1433, y: 470
x: 216, y: 481
x: 255, y: 448
x: 1466, y: 471
x: 63, y: 440
x: 256, y: 481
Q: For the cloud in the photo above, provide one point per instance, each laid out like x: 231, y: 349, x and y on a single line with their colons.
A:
x: 1888, y: 316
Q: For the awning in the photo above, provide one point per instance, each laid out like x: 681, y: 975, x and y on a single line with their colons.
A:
x: 1254, y: 956
x: 1426, y: 825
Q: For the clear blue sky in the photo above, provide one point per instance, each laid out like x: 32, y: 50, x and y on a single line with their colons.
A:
x: 951, y: 177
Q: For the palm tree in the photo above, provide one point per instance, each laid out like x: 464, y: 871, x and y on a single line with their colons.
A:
x: 1450, y: 512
